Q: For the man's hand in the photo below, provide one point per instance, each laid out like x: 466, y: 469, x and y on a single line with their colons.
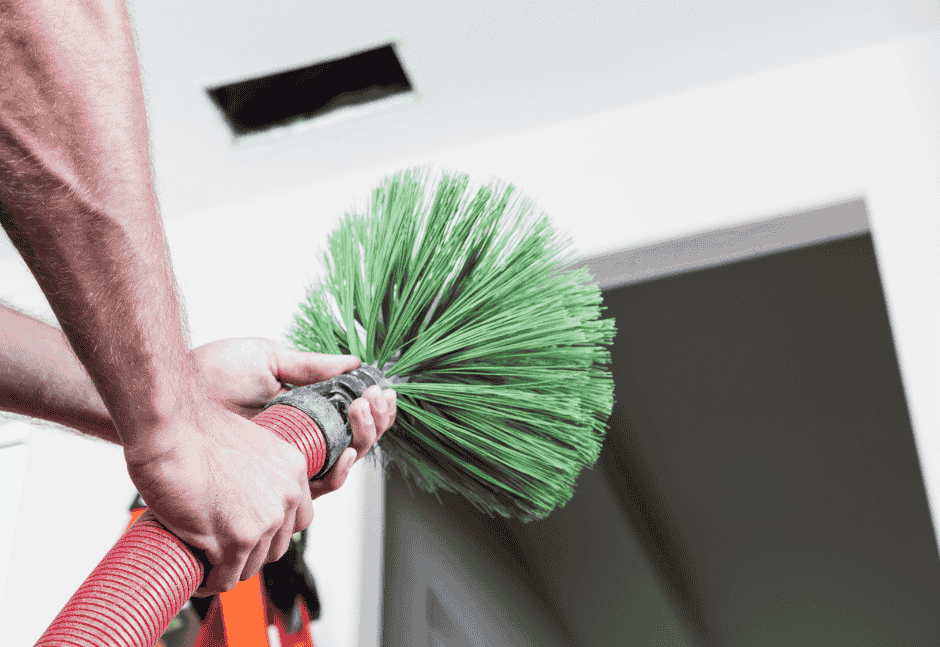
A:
x: 245, y: 374
x: 226, y: 486
x: 236, y: 490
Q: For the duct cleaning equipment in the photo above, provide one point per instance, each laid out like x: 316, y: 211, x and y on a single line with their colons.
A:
x: 463, y: 301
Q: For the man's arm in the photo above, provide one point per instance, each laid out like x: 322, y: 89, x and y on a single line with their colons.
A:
x: 77, y: 202
x: 40, y: 377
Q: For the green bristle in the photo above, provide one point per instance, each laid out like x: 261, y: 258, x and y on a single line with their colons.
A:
x: 505, y: 350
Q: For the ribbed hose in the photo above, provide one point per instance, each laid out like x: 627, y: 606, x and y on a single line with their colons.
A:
x: 146, y: 578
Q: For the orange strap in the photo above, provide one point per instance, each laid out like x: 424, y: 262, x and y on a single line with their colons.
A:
x: 244, y: 616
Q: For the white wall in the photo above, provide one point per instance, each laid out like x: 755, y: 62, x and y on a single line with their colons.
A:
x: 865, y: 122
x: 14, y: 453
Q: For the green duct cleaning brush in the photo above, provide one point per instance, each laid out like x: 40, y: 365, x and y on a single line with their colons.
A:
x: 462, y: 298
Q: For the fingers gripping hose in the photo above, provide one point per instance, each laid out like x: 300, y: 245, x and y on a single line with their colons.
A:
x: 145, y: 579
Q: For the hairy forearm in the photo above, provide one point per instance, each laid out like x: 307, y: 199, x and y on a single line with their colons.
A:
x: 77, y: 201
x: 40, y: 377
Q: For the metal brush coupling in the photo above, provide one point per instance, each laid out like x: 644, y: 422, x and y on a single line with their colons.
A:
x: 327, y: 403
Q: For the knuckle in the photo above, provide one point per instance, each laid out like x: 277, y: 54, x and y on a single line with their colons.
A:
x: 214, y: 553
x: 275, y: 523
x: 243, y: 541
x: 291, y: 502
x: 362, y: 407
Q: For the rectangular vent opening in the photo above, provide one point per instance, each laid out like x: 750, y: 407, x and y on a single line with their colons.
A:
x: 265, y: 102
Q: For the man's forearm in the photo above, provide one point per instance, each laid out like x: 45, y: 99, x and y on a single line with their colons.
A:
x: 40, y: 377
x: 77, y: 201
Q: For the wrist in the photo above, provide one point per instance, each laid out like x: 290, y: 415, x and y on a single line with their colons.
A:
x: 153, y: 428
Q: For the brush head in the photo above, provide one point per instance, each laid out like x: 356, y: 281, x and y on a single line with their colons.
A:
x: 466, y: 294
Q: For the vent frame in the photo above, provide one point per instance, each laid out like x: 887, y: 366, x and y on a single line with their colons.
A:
x: 305, y: 96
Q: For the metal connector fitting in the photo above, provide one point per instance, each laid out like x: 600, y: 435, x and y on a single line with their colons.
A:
x: 327, y: 403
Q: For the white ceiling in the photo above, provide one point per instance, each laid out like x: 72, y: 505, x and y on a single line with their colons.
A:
x: 480, y: 69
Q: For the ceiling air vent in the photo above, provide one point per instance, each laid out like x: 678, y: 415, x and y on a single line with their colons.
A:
x: 258, y: 104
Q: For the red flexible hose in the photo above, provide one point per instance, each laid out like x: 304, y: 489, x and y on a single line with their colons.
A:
x: 149, y: 574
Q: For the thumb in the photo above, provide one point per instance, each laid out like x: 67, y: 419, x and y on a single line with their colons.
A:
x: 301, y: 368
